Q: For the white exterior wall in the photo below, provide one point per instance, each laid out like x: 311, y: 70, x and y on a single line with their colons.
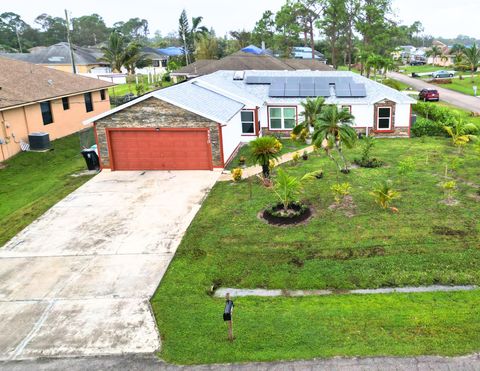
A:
x: 232, y: 136
x: 364, y: 114
x: 402, y: 115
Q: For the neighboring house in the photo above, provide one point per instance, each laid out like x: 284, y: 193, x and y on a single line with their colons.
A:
x: 304, y: 52
x: 58, y: 57
x: 201, y: 123
x: 158, y: 65
x: 245, y: 61
x: 39, y: 99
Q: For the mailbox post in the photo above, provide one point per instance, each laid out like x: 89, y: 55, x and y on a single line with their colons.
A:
x: 475, y: 90
x: 228, y: 314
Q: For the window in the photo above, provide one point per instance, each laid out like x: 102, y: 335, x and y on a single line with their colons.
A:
x: 88, y: 102
x: 384, y: 118
x: 164, y: 63
x: 282, y: 118
x: 155, y: 63
x: 46, y: 109
x: 65, y: 103
x: 248, y: 122
x: 102, y: 94
x: 347, y: 108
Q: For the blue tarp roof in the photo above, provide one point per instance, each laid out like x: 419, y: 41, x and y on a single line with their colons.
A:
x: 172, y: 51
x: 253, y: 49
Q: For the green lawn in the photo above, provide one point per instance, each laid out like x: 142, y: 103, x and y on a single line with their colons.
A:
x: 129, y: 88
x: 288, y: 146
x: 464, y: 86
x: 422, y: 69
x: 426, y: 243
x: 34, y: 182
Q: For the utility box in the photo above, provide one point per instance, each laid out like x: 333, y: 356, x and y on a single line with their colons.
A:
x: 39, y: 141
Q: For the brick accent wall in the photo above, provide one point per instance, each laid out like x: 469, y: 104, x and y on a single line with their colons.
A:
x: 153, y: 113
x: 384, y: 103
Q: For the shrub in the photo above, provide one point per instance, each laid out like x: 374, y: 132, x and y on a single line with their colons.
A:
x: 366, y: 160
x: 426, y: 127
x: 237, y: 174
x: 296, y: 157
x: 406, y: 166
x: 394, y: 84
x: 340, y: 190
x: 434, y: 112
x: 384, y: 194
x: 449, y: 188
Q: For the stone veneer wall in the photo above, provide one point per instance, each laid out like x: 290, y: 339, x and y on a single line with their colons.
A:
x: 153, y: 113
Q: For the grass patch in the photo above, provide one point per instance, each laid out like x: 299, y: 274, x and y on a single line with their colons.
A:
x: 228, y: 246
x: 464, y: 86
x: 34, y: 182
x: 289, y: 145
x: 422, y: 69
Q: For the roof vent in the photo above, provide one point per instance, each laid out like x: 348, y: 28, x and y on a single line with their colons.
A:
x: 239, y: 75
x: 50, y: 82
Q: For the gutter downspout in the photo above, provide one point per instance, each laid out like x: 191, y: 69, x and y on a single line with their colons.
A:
x: 4, y: 129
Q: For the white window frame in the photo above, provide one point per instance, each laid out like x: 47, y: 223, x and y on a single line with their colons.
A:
x: 253, y: 122
x: 282, y: 118
x: 383, y: 118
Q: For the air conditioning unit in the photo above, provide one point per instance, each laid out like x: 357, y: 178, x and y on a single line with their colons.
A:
x: 39, y: 141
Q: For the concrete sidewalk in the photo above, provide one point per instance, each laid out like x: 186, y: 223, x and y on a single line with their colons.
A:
x: 255, y: 170
x: 150, y: 363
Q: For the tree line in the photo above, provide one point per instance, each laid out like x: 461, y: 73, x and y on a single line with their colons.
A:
x: 347, y: 32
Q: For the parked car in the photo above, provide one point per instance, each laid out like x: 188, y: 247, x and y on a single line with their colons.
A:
x: 417, y: 63
x: 429, y: 95
x: 442, y: 74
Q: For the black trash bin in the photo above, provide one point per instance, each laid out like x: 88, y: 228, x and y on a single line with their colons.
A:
x: 91, y: 158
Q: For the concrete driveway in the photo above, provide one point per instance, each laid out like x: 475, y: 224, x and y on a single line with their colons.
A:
x: 78, y: 280
x: 468, y: 102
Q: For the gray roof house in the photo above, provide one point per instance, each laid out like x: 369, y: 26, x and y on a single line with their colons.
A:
x: 58, y: 57
x: 201, y: 123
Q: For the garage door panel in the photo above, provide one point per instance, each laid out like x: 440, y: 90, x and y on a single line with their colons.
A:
x: 146, y: 149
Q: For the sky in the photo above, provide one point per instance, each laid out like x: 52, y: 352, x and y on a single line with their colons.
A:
x: 446, y: 18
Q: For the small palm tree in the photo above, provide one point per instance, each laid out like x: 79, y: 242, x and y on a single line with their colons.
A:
x: 311, y: 111
x: 374, y: 62
x: 472, y: 57
x: 461, y: 132
x: 263, y: 150
x: 384, y: 194
x: 334, y: 130
x: 287, y: 187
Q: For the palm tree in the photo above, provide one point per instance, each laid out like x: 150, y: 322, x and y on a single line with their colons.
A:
x: 197, y: 31
x: 114, y: 52
x: 311, y: 111
x: 133, y: 56
x: 376, y: 62
x: 207, y: 47
x: 387, y: 64
x: 461, y: 132
x: 263, y: 150
x: 434, y: 52
x: 472, y: 56
x: 334, y: 130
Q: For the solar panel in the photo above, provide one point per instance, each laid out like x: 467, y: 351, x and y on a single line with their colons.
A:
x: 277, y: 90
x: 252, y: 80
x: 307, y: 89
x: 357, y: 90
x: 342, y: 88
x: 322, y: 87
x: 258, y: 80
x: 292, y: 89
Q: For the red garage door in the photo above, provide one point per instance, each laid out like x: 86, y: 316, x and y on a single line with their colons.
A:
x: 163, y: 149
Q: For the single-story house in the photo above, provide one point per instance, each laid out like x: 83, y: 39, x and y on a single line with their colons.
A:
x: 201, y: 123
x: 245, y: 61
x: 39, y: 99
x: 58, y: 57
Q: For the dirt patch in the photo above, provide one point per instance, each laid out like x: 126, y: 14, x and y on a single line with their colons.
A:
x: 447, y: 231
x: 349, y: 253
x: 450, y: 201
x: 475, y: 196
x: 347, y: 206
